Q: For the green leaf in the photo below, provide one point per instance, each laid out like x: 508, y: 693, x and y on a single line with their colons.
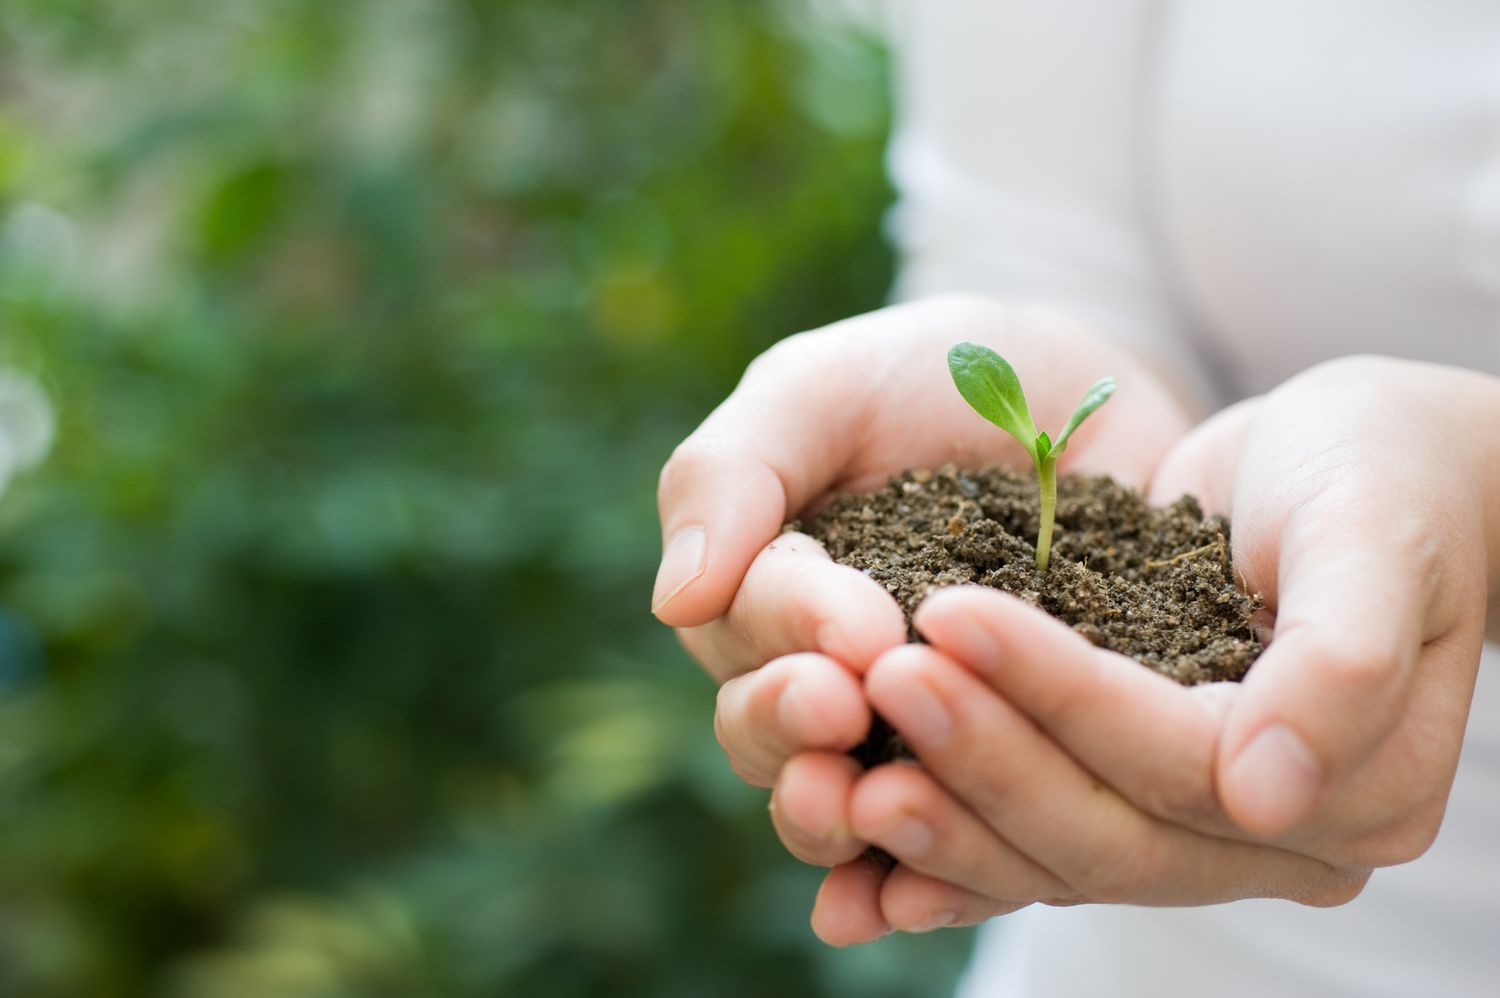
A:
x: 1043, y: 446
x: 1098, y: 394
x: 991, y: 386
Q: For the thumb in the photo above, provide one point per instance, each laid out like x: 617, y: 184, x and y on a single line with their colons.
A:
x: 720, y: 505
x: 772, y: 447
x: 1351, y: 610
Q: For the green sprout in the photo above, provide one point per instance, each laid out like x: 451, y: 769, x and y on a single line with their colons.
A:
x: 990, y: 385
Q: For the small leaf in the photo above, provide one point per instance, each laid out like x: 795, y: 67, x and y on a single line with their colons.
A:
x: 1043, y: 446
x: 991, y: 386
x: 1097, y: 395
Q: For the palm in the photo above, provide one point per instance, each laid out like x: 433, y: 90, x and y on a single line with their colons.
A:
x: 842, y: 409
x: 886, y: 401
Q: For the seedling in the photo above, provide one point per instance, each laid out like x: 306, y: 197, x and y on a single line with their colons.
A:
x: 990, y: 385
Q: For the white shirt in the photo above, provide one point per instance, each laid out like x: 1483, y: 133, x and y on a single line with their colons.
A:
x: 1241, y: 188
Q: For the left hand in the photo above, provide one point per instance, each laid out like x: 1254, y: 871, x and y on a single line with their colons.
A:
x: 788, y: 632
x: 1054, y: 771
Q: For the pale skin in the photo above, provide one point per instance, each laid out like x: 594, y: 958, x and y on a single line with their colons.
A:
x: 1363, y: 495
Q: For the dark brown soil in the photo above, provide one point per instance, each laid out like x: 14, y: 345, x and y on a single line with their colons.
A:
x: 1152, y: 583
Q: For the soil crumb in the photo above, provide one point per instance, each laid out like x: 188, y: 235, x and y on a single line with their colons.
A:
x: 1152, y: 583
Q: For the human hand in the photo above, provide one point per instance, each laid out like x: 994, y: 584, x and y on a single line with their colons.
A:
x: 1360, y: 494
x: 836, y: 410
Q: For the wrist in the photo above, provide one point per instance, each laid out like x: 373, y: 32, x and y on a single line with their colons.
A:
x: 1472, y: 404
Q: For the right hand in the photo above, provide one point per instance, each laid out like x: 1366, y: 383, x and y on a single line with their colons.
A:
x: 1055, y: 771
x: 840, y: 409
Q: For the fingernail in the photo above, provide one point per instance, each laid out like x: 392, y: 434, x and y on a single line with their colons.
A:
x: 682, y: 562
x: 920, y: 715
x: 1276, y: 778
x: 908, y: 838
x: 970, y: 640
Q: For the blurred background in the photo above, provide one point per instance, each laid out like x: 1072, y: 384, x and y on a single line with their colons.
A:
x: 325, y: 660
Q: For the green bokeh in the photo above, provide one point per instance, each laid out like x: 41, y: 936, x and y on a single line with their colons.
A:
x: 326, y: 663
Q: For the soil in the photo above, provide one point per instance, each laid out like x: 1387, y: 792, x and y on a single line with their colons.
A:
x: 1152, y: 583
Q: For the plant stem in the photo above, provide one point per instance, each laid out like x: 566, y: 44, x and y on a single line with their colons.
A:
x: 1046, y: 476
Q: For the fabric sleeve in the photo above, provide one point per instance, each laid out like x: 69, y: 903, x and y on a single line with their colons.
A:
x: 1021, y: 162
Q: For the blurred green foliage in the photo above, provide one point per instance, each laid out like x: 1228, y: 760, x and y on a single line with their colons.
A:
x: 325, y: 667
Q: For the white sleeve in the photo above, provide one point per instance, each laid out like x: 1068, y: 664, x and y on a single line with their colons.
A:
x: 1021, y: 162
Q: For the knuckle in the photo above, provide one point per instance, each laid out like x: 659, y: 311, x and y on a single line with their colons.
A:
x: 1406, y: 530
x: 1341, y: 887
x: 886, y: 792
x: 762, y: 707
x: 738, y: 735
x: 802, y: 849
x: 691, y: 461
x: 913, y: 909
x: 727, y: 720
x: 720, y: 735
x: 788, y: 356
x: 739, y: 765
x: 1002, y: 785
x: 1120, y: 878
x: 1070, y: 706
x: 1355, y: 664
x: 1355, y: 370
x: 794, y: 838
x: 752, y: 701
x: 1357, y: 387
x: 1421, y: 548
x: 699, y: 644
x: 780, y: 605
x: 1181, y: 802
x: 1418, y: 836
x: 1127, y: 872
x: 828, y: 841
x: 1071, y: 901
x: 811, y: 623
x: 1408, y: 840
x: 777, y: 354
x: 746, y: 773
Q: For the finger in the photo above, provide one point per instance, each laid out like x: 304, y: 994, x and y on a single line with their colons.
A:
x: 1351, y: 534
x: 1351, y: 605
x: 847, y: 909
x: 914, y: 902
x: 1049, y: 808
x: 810, y: 808
x: 1090, y: 701
x: 1410, y: 773
x: 901, y: 809
x: 719, y: 504
x: 1202, y: 464
x: 794, y: 704
x: 795, y: 599
x: 781, y: 437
